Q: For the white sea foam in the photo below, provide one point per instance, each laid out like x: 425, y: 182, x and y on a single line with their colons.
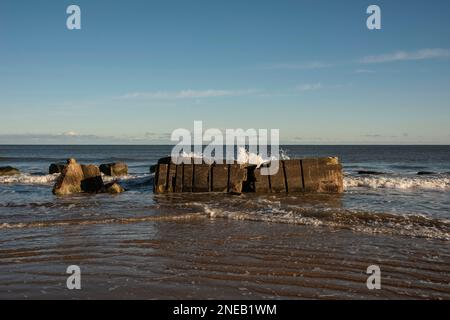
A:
x: 243, y: 156
x: 29, y: 179
x: 251, y: 158
x: 408, y: 225
x: 108, y: 179
x: 49, y: 179
x: 398, y: 182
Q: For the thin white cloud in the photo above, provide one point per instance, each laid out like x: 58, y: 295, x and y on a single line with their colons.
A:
x: 300, y: 66
x: 187, y: 94
x: 48, y: 138
x: 196, y: 95
x: 422, y: 54
x: 364, y: 71
x: 308, y: 87
x: 70, y: 134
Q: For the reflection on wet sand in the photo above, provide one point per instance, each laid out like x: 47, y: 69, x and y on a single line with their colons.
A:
x: 216, y: 258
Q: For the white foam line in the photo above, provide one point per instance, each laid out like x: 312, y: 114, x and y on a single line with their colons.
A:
x: 429, y: 183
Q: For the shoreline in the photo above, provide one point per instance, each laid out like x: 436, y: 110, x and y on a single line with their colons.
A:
x: 225, y: 260
x: 146, y: 246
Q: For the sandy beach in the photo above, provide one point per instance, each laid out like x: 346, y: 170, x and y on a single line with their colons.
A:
x: 225, y: 260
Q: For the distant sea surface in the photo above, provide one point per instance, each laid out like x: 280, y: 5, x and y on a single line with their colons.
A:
x: 141, y: 245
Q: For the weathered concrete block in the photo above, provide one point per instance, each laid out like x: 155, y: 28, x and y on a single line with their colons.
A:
x: 293, y: 173
x: 201, y: 178
x: 277, y: 181
x: 171, y: 178
x: 114, y: 188
x: 92, y: 179
x: 165, y: 160
x: 219, y: 178
x: 322, y: 175
x: 9, y: 171
x: 179, y: 179
x: 188, y: 177
x: 70, y: 179
x: 90, y: 170
x: 238, y: 174
x: 77, y: 178
x: 178, y: 161
x: 116, y: 169
x: 56, y: 168
x: 261, y: 182
x: 161, y: 178
x: 307, y: 175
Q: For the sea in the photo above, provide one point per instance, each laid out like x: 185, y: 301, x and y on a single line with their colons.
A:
x: 394, y: 214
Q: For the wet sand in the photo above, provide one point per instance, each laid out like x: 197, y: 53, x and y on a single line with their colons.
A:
x: 207, y: 258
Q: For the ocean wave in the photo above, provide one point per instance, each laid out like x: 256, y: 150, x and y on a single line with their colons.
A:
x: 398, y: 182
x: 29, y: 179
x: 30, y: 159
x: 413, y: 225
x: 80, y: 222
x: 49, y: 179
x: 317, y: 213
x: 107, y: 179
x: 243, y: 156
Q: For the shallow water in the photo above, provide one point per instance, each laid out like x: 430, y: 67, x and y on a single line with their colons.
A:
x: 138, y: 245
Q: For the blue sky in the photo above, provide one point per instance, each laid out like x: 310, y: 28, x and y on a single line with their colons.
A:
x: 137, y: 70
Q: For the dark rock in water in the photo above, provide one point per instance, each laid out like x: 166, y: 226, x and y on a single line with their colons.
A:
x: 56, y: 168
x: 153, y: 169
x: 113, y: 188
x: 423, y: 173
x: 8, y: 171
x: 322, y: 175
x: 114, y: 169
x: 369, y: 172
x: 165, y: 160
x: 70, y: 179
x: 92, y: 179
x: 76, y: 178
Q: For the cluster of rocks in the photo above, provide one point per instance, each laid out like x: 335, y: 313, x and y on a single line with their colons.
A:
x: 77, y: 178
x: 9, y: 171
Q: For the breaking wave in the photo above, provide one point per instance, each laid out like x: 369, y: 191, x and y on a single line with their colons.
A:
x: 315, y: 211
x: 440, y: 183
x: 366, y: 222
x: 412, y: 225
x: 29, y: 179
x: 124, y: 220
x: 128, y: 177
x: 398, y: 182
x: 49, y: 179
x: 243, y: 156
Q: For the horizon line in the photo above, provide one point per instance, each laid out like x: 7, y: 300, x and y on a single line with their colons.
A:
x: 281, y: 144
